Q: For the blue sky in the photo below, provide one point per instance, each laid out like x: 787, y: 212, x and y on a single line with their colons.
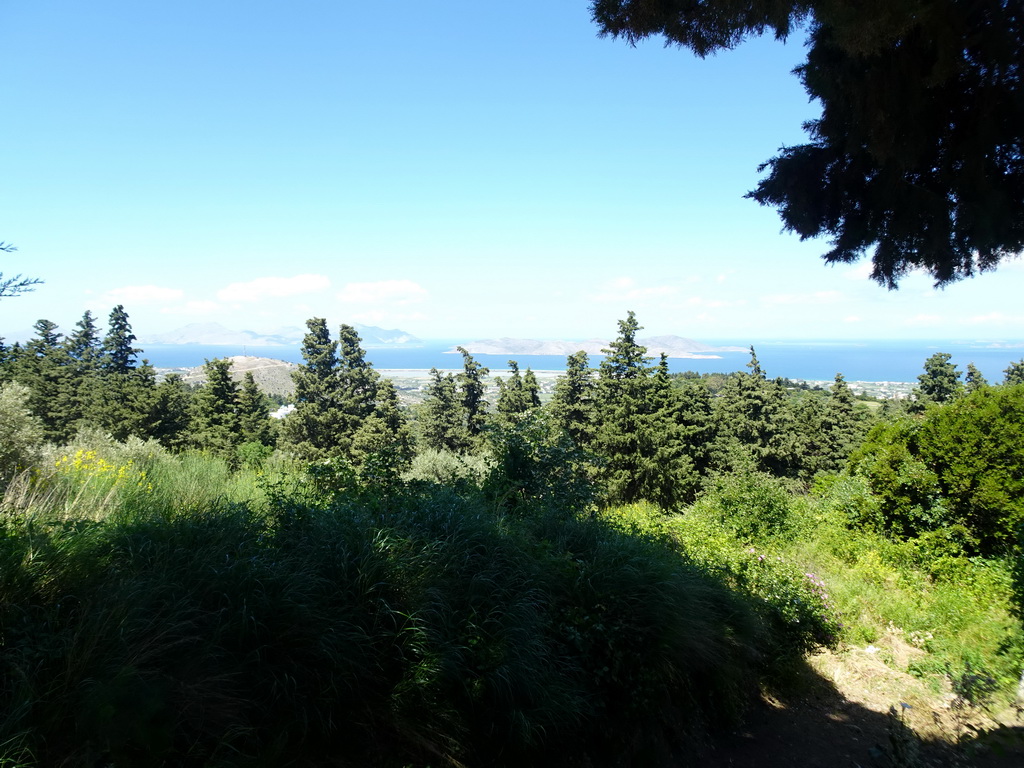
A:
x: 455, y: 169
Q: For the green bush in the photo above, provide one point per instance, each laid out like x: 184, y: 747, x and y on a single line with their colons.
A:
x: 960, y: 464
x: 537, y: 463
x: 754, y: 505
x: 447, y: 468
x: 21, y: 434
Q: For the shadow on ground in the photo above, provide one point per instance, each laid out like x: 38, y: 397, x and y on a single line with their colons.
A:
x: 809, y: 723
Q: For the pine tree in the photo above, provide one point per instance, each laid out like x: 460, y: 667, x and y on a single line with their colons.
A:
x: 842, y: 425
x: 471, y: 384
x: 83, y: 346
x: 45, y: 370
x: 693, y: 415
x: 170, y: 416
x: 119, y: 356
x: 383, y: 446
x: 531, y: 388
x: 311, y: 430
x: 679, y: 479
x: 940, y: 382
x: 635, y: 435
x: 83, y: 391
x: 515, y: 398
x: 572, y: 405
x: 127, y: 386
x: 916, y: 155
x: 757, y: 425
x: 974, y: 380
x: 253, y: 409
x: 357, y: 386
x: 215, y: 424
x: 442, y: 420
x: 1014, y: 374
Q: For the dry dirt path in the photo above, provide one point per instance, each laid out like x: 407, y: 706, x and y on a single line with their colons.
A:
x: 855, y: 708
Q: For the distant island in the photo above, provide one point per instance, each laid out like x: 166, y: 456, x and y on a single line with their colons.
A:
x: 672, y: 346
x: 213, y: 334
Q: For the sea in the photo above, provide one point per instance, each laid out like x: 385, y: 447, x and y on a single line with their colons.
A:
x: 870, y: 360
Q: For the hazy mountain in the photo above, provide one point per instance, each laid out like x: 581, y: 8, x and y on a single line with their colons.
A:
x: 673, y: 346
x: 215, y: 333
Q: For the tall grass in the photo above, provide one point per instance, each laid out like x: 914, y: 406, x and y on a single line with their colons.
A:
x: 235, y: 619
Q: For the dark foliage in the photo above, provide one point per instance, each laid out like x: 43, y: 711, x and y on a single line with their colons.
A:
x: 917, y: 155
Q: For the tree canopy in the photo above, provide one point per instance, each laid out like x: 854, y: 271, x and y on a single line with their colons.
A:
x: 918, y: 156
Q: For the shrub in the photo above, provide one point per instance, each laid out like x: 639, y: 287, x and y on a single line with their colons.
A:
x: 21, y: 434
x: 447, y: 468
x: 961, y: 464
x: 753, y: 505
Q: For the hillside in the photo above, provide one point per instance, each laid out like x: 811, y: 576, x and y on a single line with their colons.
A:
x: 272, y: 376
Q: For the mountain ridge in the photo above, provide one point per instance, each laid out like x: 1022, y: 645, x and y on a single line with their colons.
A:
x: 213, y: 334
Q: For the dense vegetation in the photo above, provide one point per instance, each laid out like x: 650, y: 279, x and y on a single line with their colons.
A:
x: 606, y: 578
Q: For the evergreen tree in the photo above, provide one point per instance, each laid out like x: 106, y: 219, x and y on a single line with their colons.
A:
x: 83, y: 391
x: 119, y: 356
x: 253, y: 409
x: 471, y: 384
x: 813, y: 445
x: 357, y: 386
x: 842, y: 426
x: 1014, y: 374
x: 215, y: 422
x: 572, y: 405
x: 940, y: 382
x: 680, y: 477
x: 383, y: 446
x: 531, y: 387
x: 442, y: 416
x: 83, y: 345
x: 757, y: 425
x: 693, y: 415
x: 917, y: 153
x: 311, y: 430
x: 636, y: 437
x: 44, y: 369
x: 974, y: 380
x: 125, y: 405
x: 515, y: 398
x: 170, y: 416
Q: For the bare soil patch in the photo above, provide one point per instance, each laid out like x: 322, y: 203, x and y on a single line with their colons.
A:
x: 858, y: 707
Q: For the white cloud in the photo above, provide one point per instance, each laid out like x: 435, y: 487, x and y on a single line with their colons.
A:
x: 194, y: 309
x: 997, y: 318
x: 818, y: 297
x: 851, y: 319
x: 138, y: 294
x: 394, y: 292
x: 273, y: 288
x: 626, y: 289
x: 860, y: 271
